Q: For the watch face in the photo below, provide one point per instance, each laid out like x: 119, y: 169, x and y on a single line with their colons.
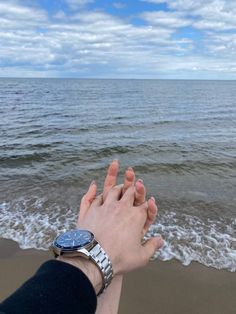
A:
x: 74, y: 239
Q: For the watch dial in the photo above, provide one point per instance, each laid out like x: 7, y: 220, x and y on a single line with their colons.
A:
x: 74, y: 239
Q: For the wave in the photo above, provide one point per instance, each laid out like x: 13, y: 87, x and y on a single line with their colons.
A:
x: 43, y: 153
x: 187, y: 167
x: 34, y: 223
x: 18, y: 160
x: 188, y: 238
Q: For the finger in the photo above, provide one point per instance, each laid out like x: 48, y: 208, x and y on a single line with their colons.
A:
x: 97, y: 201
x: 150, y: 247
x: 114, y: 194
x: 128, y: 196
x: 151, y: 214
x: 129, y: 179
x: 111, y: 177
x: 140, y: 193
x: 142, y: 210
x: 87, y: 200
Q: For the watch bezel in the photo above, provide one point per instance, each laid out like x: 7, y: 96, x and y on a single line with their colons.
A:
x: 57, y: 248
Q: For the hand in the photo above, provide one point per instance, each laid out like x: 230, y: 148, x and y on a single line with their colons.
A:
x: 124, y: 223
x: 129, y: 180
x: 108, y: 302
x: 89, y: 268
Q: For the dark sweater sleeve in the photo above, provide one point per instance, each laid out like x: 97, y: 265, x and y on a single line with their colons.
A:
x: 57, y: 287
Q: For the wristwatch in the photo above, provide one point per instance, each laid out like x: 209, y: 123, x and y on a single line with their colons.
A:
x: 83, y: 243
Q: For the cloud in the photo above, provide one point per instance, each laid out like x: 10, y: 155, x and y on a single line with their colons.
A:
x: 94, y: 43
x: 95, y: 37
x: 21, y: 41
x: 11, y: 9
x: 14, y: 15
x: 212, y: 14
x: 165, y: 19
x: 223, y: 45
x: 76, y: 4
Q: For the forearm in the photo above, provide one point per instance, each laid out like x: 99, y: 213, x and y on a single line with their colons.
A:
x: 88, y: 268
x: 56, y: 288
x: 108, y: 301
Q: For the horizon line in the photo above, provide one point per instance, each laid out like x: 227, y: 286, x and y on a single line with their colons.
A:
x: 116, y: 78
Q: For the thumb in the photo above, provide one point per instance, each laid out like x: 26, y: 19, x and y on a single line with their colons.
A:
x: 87, y: 200
x: 151, y: 246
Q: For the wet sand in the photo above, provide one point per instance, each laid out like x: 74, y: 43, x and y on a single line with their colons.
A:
x: 160, y: 288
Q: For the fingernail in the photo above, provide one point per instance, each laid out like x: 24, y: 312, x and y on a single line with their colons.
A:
x: 161, y: 240
x: 153, y: 198
x: 115, y: 160
x: 140, y: 180
x: 93, y: 182
x: 130, y: 169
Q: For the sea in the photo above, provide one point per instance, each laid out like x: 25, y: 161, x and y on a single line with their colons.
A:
x: 57, y: 135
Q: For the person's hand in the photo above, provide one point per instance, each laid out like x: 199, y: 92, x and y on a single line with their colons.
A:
x: 108, y: 302
x: 129, y: 180
x: 118, y: 225
x: 87, y: 201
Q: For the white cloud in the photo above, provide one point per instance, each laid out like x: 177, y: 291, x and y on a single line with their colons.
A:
x: 76, y: 4
x: 165, y: 19
x: 216, y: 15
x: 10, y: 10
x: 223, y: 46
x: 14, y: 16
x: 80, y: 43
x: 211, y: 14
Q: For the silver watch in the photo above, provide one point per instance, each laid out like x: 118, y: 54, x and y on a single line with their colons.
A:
x: 83, y: 243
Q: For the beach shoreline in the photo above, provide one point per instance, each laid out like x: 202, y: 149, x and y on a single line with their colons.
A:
x: 159, y: 288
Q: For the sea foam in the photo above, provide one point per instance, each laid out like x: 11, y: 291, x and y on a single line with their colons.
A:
x: 35, y: 222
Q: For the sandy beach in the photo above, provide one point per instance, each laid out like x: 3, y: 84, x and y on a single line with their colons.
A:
x: 160, y: 288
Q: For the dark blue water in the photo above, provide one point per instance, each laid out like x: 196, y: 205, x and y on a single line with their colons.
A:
x: 180, y: 137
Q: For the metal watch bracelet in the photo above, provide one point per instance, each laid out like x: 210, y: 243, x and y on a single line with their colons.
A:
x: 101, y: 259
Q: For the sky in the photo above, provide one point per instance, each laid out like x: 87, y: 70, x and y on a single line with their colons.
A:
x: 157, y: 39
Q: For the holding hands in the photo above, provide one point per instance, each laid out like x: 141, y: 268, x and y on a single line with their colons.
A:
x: 119, y: 218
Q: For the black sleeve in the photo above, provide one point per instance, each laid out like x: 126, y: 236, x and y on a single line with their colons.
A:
x: 56, y: 288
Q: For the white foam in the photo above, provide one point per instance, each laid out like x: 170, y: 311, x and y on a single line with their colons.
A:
x: 34, y: 222
x: 188, y: 238
x: 27, y: 222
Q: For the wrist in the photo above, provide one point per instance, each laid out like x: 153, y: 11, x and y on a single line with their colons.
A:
x: 79, y: 248
x: 88, y: 268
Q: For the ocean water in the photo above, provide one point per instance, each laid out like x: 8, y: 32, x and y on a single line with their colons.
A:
x: 179, y: 136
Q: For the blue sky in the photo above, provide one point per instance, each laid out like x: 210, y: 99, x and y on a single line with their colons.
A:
x: 163, y: 39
